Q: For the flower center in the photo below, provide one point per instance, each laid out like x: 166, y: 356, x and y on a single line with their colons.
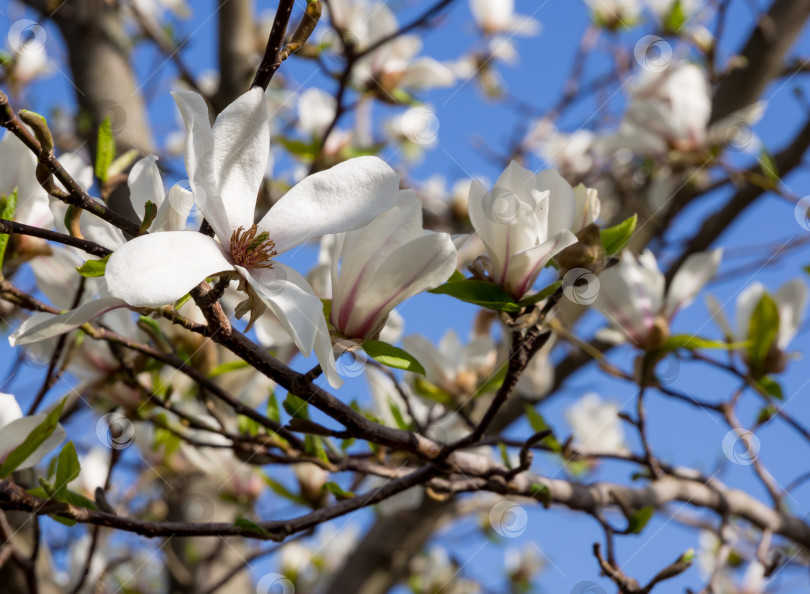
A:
x: 252, y: 249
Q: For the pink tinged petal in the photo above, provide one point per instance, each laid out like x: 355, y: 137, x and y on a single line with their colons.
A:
x: 157, y: 269
x: 200, y: 161
x: 619, y: 302
x: 145, y: 185
x: 13, y: 434
x: 42, y: 326
x: 692, y: 276
x: 241, y: 150
x: 525, y: 267
x: 419, y: 265
x: 288, y: 295
x: 344, y: 198
x: 9, y: 409
x: 363, y: 251
x: 175, y: 210
x: 792, y: 301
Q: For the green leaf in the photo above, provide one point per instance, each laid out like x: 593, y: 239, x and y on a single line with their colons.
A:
x: 676, y: 18
x: 8, y: 204
x: 505, y: 456
x: 687, y: 341
x: 273, y: 412
x: 347, y: 443
x: 300, y: 148
x: 251, y: 526
x: 639, y: 519
x: 765, y: 414
x: 122, y: 162
x: 538, y: 424
x: 431, y: 391
x: 283, y: 491
x: 400, y: 421
x: 542, y: 493
x: 94, y: 268
x: 391, y: 356
x: 616, y: 237
x: 35, y: 439
x: 227, y: 367
x: 338, y: 491
x: 771, y: 387
x: 296, y: 407
x: 768, y: 166
x: 105, y: 150
x: 481, y: 293
x: 67, y: 467
x: 762, y: 333
x: 544, y: 294
x: 456, y: 277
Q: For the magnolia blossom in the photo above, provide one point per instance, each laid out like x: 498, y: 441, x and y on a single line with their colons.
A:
x: 453, y: 366
x: 15, y: 428
x: 570, y: 154
x: 791, y: 303
x: 316, y: 110
x: 525, y: 220
x: 226, y: 164
x: 595, y: 425
x: 614, y: 13
x: 395, y: 64
x: 376, y: 268
x: 498, y: 16
x: 632, y: 297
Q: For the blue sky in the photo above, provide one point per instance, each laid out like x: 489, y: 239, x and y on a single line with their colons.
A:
x: 681, y: 435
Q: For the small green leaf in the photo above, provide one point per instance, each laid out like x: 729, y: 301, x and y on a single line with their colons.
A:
x: 251, y: 526
x: 35, y: 439
x: 347, y: 443
x: 456, y: 277
x: 227, y: 368
x: 283, y: 491
x: 481, y: 293
x: 338, y: 491
x: 122, y: 162
x: 67, y: 467
x: 494, y: 382
x: 676, y: 18
x: 765, y: 414
x: 8, y: 204
x: 391, y: 356
x: 639, y: 519
x: 538, y: 424
x: 505, y: 456
x: 431, y: 391
x: 300, y: 148
x: 762, y: 333
x: 400, y: 421
x: 616, y: 237
x: 94, y: 268
x: 768, y: 166
x: 772, y: 387
x: 273, y: 412
x: 687, y: 341
x: 296, y: 407
x: 105, y: 150
x: 542, y: 493
x: 544, y: 294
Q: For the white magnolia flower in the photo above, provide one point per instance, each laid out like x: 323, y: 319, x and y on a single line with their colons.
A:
x: 394, y: 65
x: 791, y: 303
x: 316, y: 110
x: 570, y: 154
x: 525, y: 220
x: 615, y: 13
x: 595, y: 425
x: 498, y: 16
x: 226, y: 163
x: 15, y: 428
x: 453, y: 366
x: 385, y: 263
x: 95, y: 466
x: 631, y: 295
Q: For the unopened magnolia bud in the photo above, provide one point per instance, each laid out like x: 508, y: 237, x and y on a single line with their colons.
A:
x: 587, y: 253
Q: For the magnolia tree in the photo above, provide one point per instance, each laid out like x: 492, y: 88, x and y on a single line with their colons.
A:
x: 269, y: 330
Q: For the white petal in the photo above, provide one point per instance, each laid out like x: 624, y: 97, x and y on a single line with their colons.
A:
x: 562, y: 202
x: 695, y: 272
x: 57, y: 277
x: 9, y: 409
x: 792, y: 301
x: 42, y: 326
x: 343, y: 198
x: 241, y: 150
x: 158, y: 269
x: 524, y: 267
x: 427, y: 73
x: 746, y: 303
x: 428, y: 355
x: 288, y: 295
x: 145, y: 184
x: 199, y: 155
x: 101, y: 232
x: 175, y: 210
x: 719, y: 316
